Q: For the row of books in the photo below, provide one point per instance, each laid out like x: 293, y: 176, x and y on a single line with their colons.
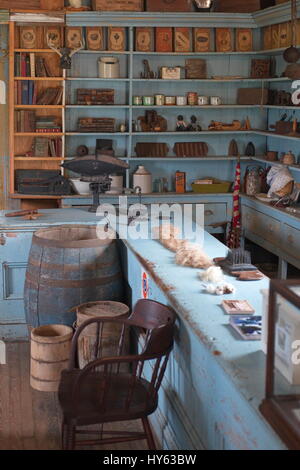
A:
x: 46, y: 147
x: 26, y: 92
x: 32, y: 65
x: 27, y: 121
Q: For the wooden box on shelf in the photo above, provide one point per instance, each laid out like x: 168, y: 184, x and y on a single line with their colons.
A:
x: 242, y: 6
x: 94, y: 38
x: 202, y: 39
x: 163, y: 39
x: 224, y: 40
x: 144, y: 39
x: 118, y: 5
x: 54, y: 5
x: 244, y: 40
x: 169, y: 5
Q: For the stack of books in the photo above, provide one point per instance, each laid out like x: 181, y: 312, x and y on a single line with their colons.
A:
x: 47, y: 124
x: 96, y: 125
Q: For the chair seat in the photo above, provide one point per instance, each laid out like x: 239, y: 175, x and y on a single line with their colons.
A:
x: 89, y: 409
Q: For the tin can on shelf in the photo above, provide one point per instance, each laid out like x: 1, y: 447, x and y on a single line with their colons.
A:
x: 159, y: 100
x: 137, y: 100
x: 192, y: 98
x: 215, y: 101
x: 180, y: 182
x: 109, y: 67
x: 203, y: 100
x: 181, y: 100
x: 170, y: 100
x: 148, y: 100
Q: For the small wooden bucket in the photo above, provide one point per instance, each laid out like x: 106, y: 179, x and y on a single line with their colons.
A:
x: 50, y: 351
x: 110, y: 335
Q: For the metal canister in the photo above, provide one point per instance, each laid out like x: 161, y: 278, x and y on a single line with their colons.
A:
x: 109, y: 67
x: 192, y: 98
x: 203, y: 100
x: 170, y: 100
x: 181, y: 100
x: 148, y: 100
x: 137, y: 100
x: 159, y: 100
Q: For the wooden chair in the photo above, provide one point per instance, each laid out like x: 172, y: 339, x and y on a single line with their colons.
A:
x: 111, y: 389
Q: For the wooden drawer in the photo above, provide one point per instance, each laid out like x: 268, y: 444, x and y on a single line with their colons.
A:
x: 258, y: 223
x: 291, y: 241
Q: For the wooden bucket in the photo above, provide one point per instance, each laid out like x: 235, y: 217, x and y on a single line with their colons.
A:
x: 50, y: 351
x: 69, y: 265
x: 110, y: 334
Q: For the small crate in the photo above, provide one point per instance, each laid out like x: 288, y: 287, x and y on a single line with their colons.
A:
x: 216, y: 187
x: 118, y: 5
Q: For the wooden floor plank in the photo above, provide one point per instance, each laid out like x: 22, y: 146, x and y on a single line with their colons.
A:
x: 26, y: 394
x: 4, y: 407
x: 30, y: 419
x: 15, y: 415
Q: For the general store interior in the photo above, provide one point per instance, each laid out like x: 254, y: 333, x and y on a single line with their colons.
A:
x: 149, y: 225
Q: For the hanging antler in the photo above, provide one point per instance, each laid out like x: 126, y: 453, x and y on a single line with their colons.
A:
x: 66, y: 53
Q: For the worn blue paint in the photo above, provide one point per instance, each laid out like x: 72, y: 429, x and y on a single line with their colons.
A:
x: 207, y: 400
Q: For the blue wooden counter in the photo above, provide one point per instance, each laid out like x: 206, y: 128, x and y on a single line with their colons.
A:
x: 214, y: 381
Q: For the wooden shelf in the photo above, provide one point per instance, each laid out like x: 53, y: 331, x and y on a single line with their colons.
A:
x: 40, y: 79
x: 39, y: 106
x: 212, y: 80
x: 39, y: 134
x: 35, y: 196
x: 48, y: 51
x: 44, y: 159
x: 271, y: 163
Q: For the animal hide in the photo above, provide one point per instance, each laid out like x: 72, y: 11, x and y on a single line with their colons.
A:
x: 193, y: 256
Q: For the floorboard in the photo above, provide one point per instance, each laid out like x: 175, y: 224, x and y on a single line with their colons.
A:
x: 29, y: 419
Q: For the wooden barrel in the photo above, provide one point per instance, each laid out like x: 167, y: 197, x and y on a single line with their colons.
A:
x: 50, y: 351
x: 110, y: 334
x: 70, y: 265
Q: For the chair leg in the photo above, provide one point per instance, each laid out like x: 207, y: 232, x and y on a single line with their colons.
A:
x: 68, y: 436
x: 149, y: 434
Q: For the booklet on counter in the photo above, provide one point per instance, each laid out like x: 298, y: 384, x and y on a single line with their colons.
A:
x: 248, y: 327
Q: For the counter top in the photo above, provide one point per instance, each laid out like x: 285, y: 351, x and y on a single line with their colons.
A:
x: 278, y: 212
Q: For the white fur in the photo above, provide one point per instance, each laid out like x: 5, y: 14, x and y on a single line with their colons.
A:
x: 220, y: 289
x: 213, y: 274
x: 190, y: 254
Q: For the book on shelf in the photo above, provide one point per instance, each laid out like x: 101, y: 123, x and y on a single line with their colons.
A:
x: 47, y: 147
x: 50, y: 96
x: 26, y: 92
x: 32, y: 65
x: 47, y: 124
x: 27, y: 121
